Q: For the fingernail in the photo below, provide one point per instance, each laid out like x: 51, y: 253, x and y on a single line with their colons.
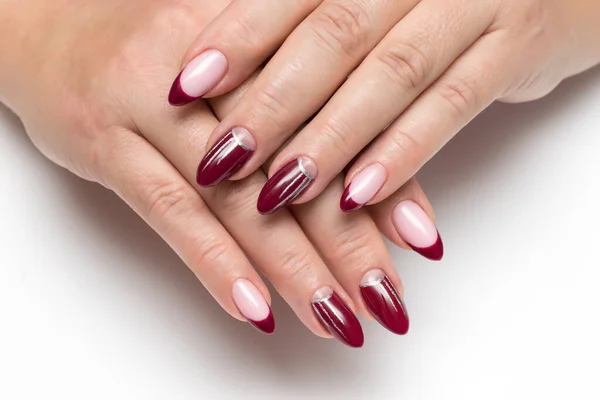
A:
x: 337, y: 318
x: 286, y: 185
x: 226, y: 157
x: 253, y: 306
x: 198, y: 77
x: 363, y: 187
x: 384, y: 302
x: 415, y: 227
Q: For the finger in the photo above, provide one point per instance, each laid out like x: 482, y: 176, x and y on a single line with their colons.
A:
x: 406, y: 218
x: 234, y: 44
x: 312, y: 63
x: 156, y: 191
x: 466, y: 89
x: 411, y: 57
x: 276, y: 245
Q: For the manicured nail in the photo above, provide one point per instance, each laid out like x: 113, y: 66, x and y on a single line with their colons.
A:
x: 198, y: 77
x: 363, y: 187
x: 384, y: 302
x: 226, y: 157
x: 253, y: 306
x: 337, y: 318
x: 415, y: 227
x: 286, y: 185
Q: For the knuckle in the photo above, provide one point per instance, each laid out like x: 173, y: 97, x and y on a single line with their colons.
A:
x: 207, y: 250
x: 460, y: 96
x: 404, y: 65
x: 295, y: 264
x: 336, y: 133
x: 166, y: 199
x: 246, y: 31
x: 341, y: 26
x: 352, y: 243
x: 405, y: 149
x: 272, y: 103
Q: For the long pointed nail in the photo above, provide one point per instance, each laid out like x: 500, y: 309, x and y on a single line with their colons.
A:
x: 363, y: 187
x: 337, y: 318
x: 226, y: 157
x: 286, y: 185
x: 198, y: 77
x: 253, y: 306
x: 384, y: 301
x: 415, y: 227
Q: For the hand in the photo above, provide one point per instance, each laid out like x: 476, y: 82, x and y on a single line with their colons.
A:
x: 100, y: 113
x: 413, y: 71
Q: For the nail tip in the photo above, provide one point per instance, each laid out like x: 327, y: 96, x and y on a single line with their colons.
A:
x: 177, y: 97
x: 434, y: 252
x: 348, y: 205
x: 266, y: 326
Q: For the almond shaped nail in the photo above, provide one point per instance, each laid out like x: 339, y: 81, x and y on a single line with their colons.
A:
x: 286, y: 185
x: 337, y: 317
x: 253, y: 306
x: 417, y: 229
x: 226, y: 157
x: 384, y: 302
x: 198, y: 77
x: 363, y: 187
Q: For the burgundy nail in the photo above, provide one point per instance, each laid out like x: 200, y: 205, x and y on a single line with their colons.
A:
x: 267, y: 325
x: 286, y: 185
x: 177, y: 97
x: 384, y: 302
x: 337, y: 318
x: 435, y: 252
x: 347, y: 204
x: 226, y: 157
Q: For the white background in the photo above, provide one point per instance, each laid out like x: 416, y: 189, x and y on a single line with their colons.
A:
x: 94, y: 306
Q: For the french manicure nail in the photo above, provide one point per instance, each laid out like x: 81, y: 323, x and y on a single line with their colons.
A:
x: 384, y: 302
x: 286, y: 185
x: 363, y: 187
x: 198, y: 77
x: 253, y: 305
x: 226, y: 157
x: 337, y: 318
x: 415, y: 227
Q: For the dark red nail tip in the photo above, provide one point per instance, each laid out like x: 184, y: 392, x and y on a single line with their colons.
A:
x: 284, y: 187
x: 226, y: 157
x: 266, y: 326
x: 177, y: 97
x: 434, y: 252
x: 339, y: 320
x: 384, y: 302
x: 346, y: 202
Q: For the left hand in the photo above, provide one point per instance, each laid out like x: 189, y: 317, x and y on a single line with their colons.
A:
x: 416, y: 70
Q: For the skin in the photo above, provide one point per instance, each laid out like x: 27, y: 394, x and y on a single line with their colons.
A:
x: 92, y: 97
x: 420, y: 71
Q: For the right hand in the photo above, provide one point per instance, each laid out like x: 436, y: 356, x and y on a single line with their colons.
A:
x: 92, y: 99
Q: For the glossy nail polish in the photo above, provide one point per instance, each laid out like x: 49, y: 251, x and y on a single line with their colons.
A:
x: 226, y: 157
x: 363, y: 187
x: 415, y: 227
x: 286, y: 185
x: 337, y: 318
x: 198, y: 77
x: 384, y: 302
x: 253, y: 305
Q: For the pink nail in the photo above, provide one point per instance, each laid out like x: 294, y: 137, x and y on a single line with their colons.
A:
x: 200, y: 76
x: 415, y: 227
x: 253, y: 305
x: 363, y: 187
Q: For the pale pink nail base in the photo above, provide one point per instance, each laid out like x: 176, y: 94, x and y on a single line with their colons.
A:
x: 253, y: 306
x: 363, y: 187
x: 415, y: 227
